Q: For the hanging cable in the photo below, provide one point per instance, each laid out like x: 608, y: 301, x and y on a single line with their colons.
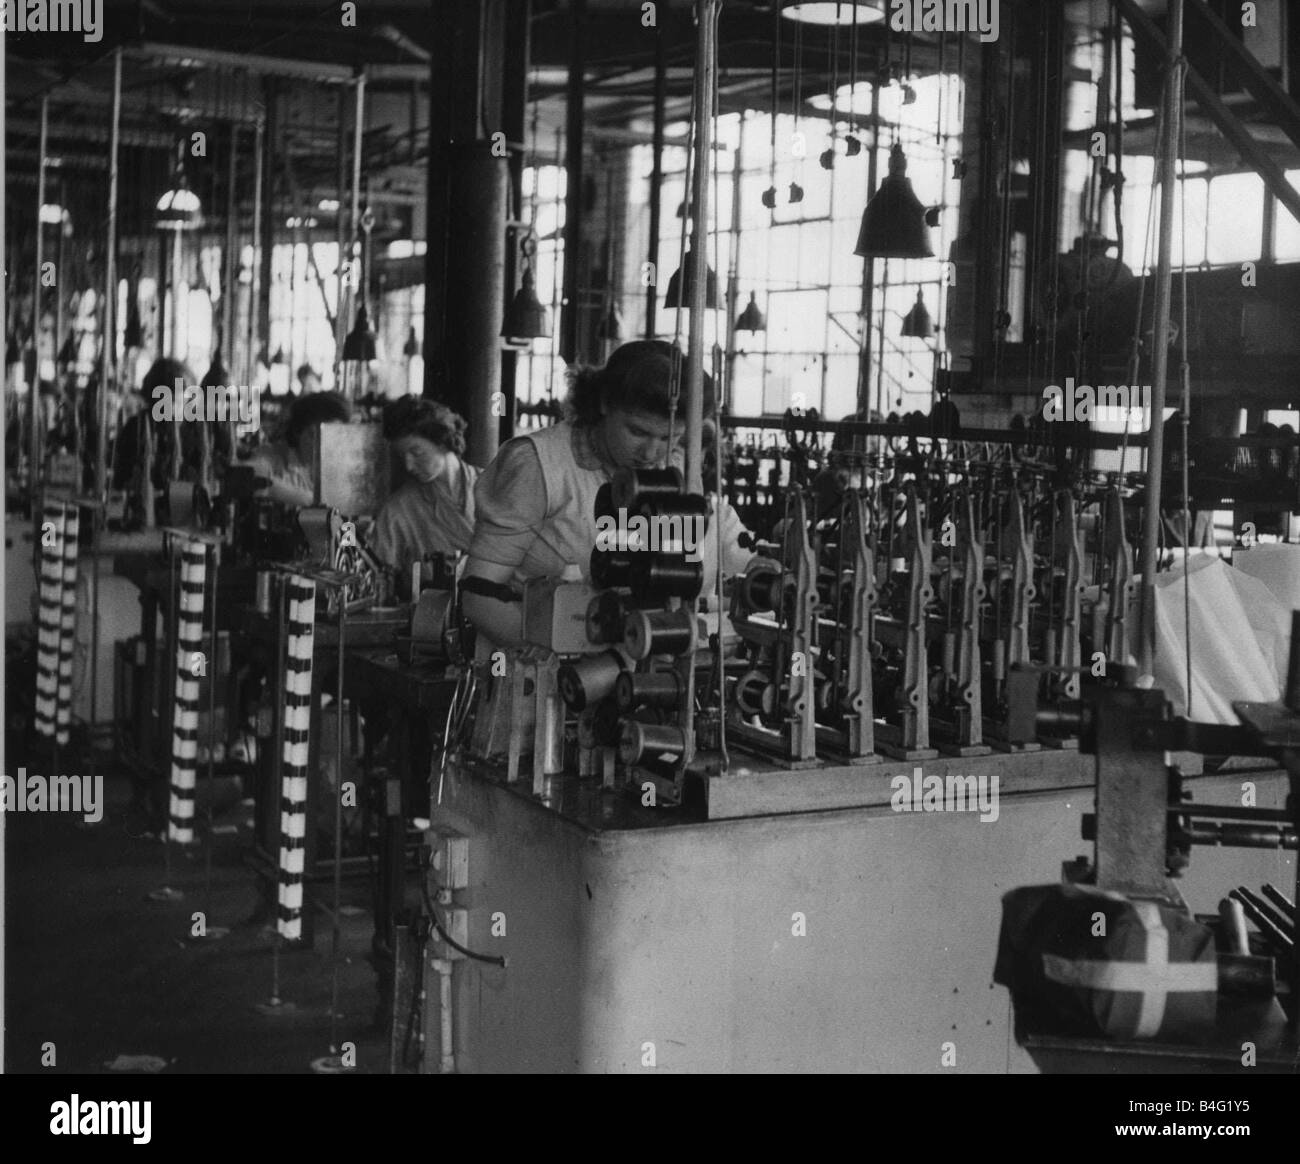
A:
x: 1184, y: 372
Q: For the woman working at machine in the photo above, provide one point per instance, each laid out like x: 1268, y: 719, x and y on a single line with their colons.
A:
x: 286, y: 463
x: 536, y: 501
x: 433, y: 512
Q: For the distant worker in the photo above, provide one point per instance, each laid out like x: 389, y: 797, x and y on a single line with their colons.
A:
x: 433, y: 511
x: 287, y: 463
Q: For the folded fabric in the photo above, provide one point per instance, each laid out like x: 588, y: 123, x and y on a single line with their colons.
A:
x: 1237, y: 632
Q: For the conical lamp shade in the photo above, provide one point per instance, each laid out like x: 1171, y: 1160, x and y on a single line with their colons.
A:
x: 411, y: 349
x: 917, y: 322
x: 360, y: 342
x: 679, y: 287
x: 751, y: 319
x: 526, y: 319
x: 216, y: 376
x: 893, y: 224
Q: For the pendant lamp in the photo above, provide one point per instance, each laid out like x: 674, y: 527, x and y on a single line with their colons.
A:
x: 679, y: 287
x: 917, y: 322
x: 751, y: 319
x: 893, y: 224
x: 526, y: 319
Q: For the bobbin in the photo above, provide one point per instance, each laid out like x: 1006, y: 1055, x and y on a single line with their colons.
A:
x: 656, y: 577
x: 629, y: 485
x: 638, y: 739
x: 589, y: 679
x: 659, y: 632
x: 633, y: 689
x: 610, y: 569
x: 606, y: 614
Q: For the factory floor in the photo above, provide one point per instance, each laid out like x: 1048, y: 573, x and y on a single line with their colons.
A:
x: 100, y: 970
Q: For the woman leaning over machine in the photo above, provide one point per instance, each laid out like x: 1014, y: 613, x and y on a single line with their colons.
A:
x: 433, y: 512
x: 536, y: 501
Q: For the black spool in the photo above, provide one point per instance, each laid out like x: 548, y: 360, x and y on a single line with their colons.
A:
x: 764, y: 589
x: 610, y: 569
x: 672, y: 505
x: 634, y: 689
x: 659, y: 632
x: 640, y: 739
x: 606, y: 616
x: 590, y: 679
x: 604, y: 506
x: 658, y: 577
x: 606, y: 723
x: 630, y: 485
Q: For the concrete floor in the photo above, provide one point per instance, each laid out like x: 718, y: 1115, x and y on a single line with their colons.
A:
x: 98, y: 969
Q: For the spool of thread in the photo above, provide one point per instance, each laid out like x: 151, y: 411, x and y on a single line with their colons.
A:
x: 610, y: 568
x: 653, y: 740
x: 604, y: 505
x: 999, y: 660
x: 762, y: 588
x: 629, y: 485
x: 656, y: 577
x: 950, y: 653
x: 264, y: 592
x: 606, y: 724
x: 606, y: 615
x: 672, y: 505
x: 590, y: 679
x: 659, y: 632
x: 633, y: 689
x: 750, y: 692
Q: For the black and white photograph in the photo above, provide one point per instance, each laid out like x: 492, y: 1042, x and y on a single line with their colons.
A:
x: 695, y: 537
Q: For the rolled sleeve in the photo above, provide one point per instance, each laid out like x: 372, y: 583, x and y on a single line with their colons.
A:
x: 509, y: 504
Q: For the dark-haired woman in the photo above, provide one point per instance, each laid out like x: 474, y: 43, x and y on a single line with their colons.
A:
x: 433, y: 512
x: 536, y: 501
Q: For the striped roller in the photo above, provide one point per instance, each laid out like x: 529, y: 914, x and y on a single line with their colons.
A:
x: 185, y: 724
x: 49, y: 618
x: 67, y: 623
x: 297, y: 741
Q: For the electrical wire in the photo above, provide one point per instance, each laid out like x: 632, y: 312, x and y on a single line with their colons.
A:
x: 491, y: 959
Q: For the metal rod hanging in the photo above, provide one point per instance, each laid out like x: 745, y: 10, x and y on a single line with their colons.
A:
x: 1160, y: 338
x: 108, y: 352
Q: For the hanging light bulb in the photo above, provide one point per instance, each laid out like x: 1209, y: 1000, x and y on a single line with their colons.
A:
x: 830, y: 12
x: 917, y: 323
x: 526, y: 319
x: 751, y: 319
x: 893, y: 224
x: 679, y: 286
x: 411, y: 348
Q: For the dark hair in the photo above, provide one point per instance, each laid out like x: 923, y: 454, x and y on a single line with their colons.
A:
x: 638, y: 377
x: 418, y: 416
x: 163, y: 374
x: 315, y: 408
x: 306, y: 370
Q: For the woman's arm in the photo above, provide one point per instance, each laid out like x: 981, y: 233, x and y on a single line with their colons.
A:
x: 502, y: 622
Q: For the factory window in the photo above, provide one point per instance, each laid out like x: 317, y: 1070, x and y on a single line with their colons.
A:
x: 796, y: 257
x: 1286, y: 232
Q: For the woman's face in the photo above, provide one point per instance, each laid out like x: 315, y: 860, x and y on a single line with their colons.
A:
x: 639, y: 440
x: 424, y: 460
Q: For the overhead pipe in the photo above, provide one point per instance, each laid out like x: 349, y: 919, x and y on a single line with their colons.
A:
x: 574, y: 212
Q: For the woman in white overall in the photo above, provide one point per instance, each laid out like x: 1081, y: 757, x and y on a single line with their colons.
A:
x: 536, y: 500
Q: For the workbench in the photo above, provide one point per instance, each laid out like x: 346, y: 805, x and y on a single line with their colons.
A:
x: 831, y: 938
